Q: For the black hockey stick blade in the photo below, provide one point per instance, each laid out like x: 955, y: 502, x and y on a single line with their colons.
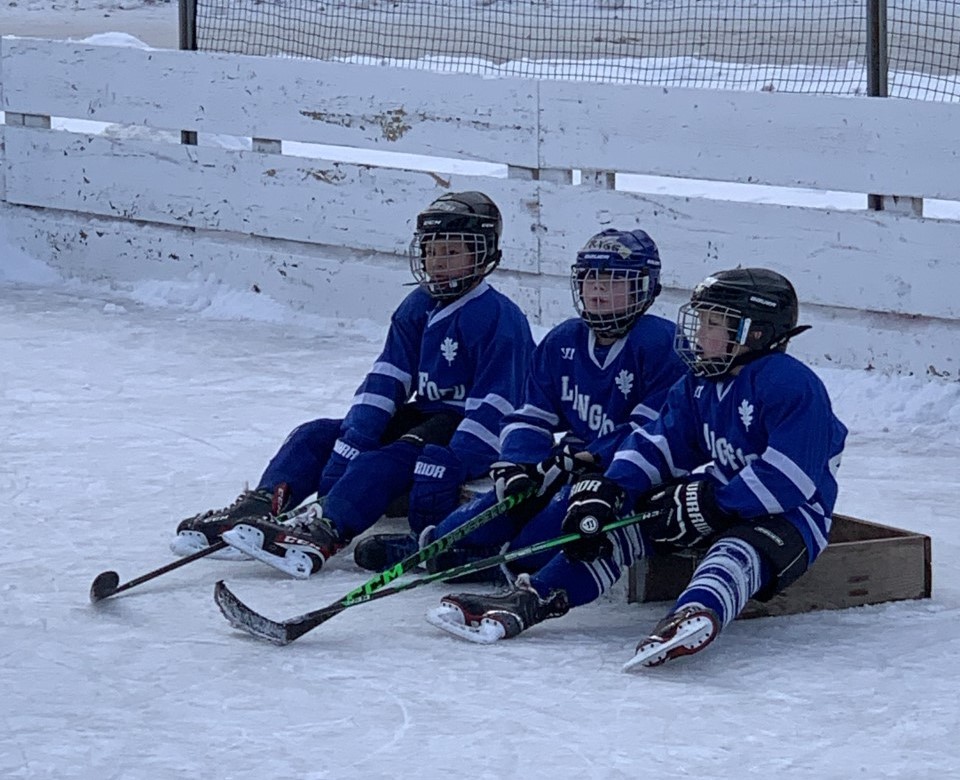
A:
x: 107, y: 583
x: 104, y: 584
x: 241, y: 617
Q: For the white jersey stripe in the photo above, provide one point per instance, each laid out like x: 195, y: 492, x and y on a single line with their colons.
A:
x: 388, y: 369
x: 660, y: 442
x: 379, y: 401
x: 645, y: 412
x: 529, y: 410
x: 764, y: 496
x: 476, y: 429
x: 815, y: 529
x: 790, y: 470
x: 635, y: 458
x: 498, y: 402
x: 518, y: 426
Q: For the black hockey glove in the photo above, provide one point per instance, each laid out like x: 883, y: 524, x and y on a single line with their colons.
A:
x: 567, y: 464
x: 511, y: 479
x: 595, y: 501
x: 689, y: 514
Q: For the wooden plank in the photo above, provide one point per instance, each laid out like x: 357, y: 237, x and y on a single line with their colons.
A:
x: 298, y: 199
x: 834, y: 258
x: 390, y: 109
x: 865, y: 563
x: 897, y: 147
x: 852, y: 574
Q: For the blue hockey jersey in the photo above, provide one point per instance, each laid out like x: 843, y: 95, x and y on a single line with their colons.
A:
x: 590, y: 391
x: 768, y: 434
x: 468, y: 357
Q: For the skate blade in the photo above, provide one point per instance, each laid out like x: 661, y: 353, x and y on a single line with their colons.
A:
x: 450, y: 620
x: 249, y: 541
x: 691, y: 637
x: 189, y: 542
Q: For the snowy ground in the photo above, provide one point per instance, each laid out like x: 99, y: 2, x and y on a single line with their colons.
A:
x: 119, y: 418
x: 124, y: 410
x: 154, y: 23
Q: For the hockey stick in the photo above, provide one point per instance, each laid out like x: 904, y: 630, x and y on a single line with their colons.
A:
x: 408, y: 564
x: 107, y: 583
x: 242, y: 617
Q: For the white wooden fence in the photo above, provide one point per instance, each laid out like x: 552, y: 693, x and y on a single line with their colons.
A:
x: 132, y: 202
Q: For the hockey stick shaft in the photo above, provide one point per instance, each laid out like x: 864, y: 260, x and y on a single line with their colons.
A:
x: 107, y: 583
x: 244, y: 618
x: 437, y: 546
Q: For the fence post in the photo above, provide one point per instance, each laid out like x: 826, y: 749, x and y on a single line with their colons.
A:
x: 877, y: 61
x: 188, y: 42
x: 878, y: 68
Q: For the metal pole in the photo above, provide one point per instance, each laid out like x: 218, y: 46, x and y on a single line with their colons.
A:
x: 877, y: 63
x: 188, y: 42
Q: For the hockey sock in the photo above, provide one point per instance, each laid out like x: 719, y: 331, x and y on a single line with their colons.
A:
x: 726, y: 578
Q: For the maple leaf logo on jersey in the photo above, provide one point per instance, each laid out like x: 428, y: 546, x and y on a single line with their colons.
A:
x: 449, y: 349
x: 624, y: 381
x: 746, y: 413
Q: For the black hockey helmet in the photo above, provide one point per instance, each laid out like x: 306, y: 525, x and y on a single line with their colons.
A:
x: 759, y: 310
x: 454, y: 225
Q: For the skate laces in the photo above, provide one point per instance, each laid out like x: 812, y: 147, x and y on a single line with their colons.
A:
x: 246, y: 495
x: 556, y: 603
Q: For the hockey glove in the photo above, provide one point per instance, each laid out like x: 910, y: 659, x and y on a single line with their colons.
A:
x: 435, y: 493
x: 595, y: 501
x: 511, y: 479
x: 345, y: 449
x: 689, y: 514
x: 567, y: 464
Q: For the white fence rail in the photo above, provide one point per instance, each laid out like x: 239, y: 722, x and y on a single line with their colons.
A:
x: 132, y: 202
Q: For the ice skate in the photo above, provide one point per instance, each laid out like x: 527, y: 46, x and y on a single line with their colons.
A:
x: 680, y: 633
x: 200, y: 531
x: 488, y: 618
x: 298, y: 547
x: 381, y: 551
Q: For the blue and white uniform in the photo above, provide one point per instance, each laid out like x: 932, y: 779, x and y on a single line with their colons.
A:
x: 769, y: 438
x: 576, y: 386
x: 464, y: 361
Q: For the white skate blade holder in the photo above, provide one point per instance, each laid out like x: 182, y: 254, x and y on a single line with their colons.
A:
x: 450, y: 620
x: 189, y: 542
x: 691, y: 636
x: 249, y: 540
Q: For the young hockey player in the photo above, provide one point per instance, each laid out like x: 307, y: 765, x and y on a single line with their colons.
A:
x: 761, y: 424
x: 590, y: 379
x: 458, y: 347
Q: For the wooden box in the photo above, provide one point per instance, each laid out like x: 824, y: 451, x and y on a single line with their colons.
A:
x: 865, y: 563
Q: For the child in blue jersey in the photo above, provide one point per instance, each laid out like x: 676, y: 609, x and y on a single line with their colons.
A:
x: 758, y: 426
x: 592, y: 377
x: 425, y: 420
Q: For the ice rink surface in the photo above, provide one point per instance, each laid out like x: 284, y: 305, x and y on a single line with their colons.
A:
x: 121, y: 418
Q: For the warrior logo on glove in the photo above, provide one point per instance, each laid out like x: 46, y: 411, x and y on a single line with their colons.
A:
x: 589, y: 525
